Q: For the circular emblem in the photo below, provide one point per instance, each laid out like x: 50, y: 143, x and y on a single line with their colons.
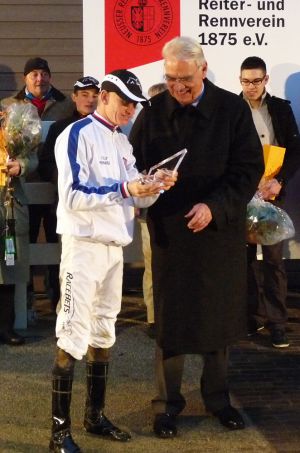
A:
x: 143, y: 22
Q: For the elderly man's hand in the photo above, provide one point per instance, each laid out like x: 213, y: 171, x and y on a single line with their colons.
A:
x: 269, y: 188
x: 200, y: 216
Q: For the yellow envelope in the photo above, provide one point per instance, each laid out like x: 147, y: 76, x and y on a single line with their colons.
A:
x: 3, y: 160
x: 273, y: 157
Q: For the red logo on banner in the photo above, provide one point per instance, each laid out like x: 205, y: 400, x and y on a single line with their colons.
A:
x: 136, y: 31
x: 143, y: 22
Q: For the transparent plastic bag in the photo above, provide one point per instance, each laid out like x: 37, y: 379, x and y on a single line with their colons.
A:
x: 22, y: 129
x: 267, y: 224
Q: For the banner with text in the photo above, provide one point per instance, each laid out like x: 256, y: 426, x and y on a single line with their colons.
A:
x: 131, y: 33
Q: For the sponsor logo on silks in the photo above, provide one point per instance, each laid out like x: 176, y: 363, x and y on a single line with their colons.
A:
x: 143, y: 22
x: 104, y: 160
x: 68, y: 293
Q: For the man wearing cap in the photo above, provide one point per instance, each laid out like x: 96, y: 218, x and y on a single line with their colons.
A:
x: 85, y: 97
x: 52, y: 105
x: 98, y: 187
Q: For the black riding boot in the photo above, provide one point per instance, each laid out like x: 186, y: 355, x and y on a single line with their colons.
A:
x: 61, y: 439
x: 95, y: 421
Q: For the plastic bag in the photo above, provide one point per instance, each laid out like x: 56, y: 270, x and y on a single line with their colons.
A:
x: 22, y: 129
x: 267, y: 224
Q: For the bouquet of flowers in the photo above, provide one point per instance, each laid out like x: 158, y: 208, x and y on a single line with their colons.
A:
x: 3, y: 160
x: 22, y: 129
x: 267, y: 224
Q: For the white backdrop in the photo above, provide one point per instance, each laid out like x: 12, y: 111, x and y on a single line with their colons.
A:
x: 229, y: 31
x: 227, y: 46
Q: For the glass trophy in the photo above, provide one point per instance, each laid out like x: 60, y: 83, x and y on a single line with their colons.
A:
x: 166, y: 167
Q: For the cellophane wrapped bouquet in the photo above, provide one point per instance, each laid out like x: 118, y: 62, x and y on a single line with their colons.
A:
x: 22, y: 129
x: 267, y: 224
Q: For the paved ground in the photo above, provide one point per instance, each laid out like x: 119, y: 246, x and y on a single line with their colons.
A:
x: 265, y: 384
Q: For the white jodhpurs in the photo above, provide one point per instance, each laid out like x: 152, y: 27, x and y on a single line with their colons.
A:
x: 91, y: 291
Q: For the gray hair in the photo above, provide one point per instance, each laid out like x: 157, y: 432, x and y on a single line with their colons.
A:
x: 184, y: 48
x: 157, y: 88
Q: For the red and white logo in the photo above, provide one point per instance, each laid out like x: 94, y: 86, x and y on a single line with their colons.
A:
x: 136, y: 30
x: 143, y: 22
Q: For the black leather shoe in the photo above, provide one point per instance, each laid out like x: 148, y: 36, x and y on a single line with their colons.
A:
x: 103, y: 427
x: 62, y: 442
x: 230, y: 417
x: 11, y: 338
x: 164, y: 426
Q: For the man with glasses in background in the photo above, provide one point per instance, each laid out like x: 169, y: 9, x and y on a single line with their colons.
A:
x: 275, y: 125
x: 197, y: 231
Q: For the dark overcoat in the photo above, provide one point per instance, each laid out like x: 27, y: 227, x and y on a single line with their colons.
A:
x: 200, y: 278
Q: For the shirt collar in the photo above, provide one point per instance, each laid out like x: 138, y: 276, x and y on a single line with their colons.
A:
x: 197, y: 100
x: 262, y: 101
x: 105, y: 123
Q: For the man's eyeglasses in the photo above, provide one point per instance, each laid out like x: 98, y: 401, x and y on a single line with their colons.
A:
x: 186, y: 79
x: 255, y: 82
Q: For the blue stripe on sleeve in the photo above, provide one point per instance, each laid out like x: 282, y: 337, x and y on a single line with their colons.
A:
x: 75, y: 166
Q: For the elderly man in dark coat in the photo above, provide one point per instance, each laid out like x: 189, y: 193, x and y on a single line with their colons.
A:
x: 198, y: 229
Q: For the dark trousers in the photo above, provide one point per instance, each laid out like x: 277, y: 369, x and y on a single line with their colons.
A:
x: 214, y: 382
x: 267, y: 286
x: 46, y: 215
x: 7, y: 308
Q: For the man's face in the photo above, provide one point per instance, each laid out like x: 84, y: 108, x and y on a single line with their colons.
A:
x: 85, y: 101
x: 184, y: 79
x: 253, y: 83
x: 115, y: 109
x: 37, y: 82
